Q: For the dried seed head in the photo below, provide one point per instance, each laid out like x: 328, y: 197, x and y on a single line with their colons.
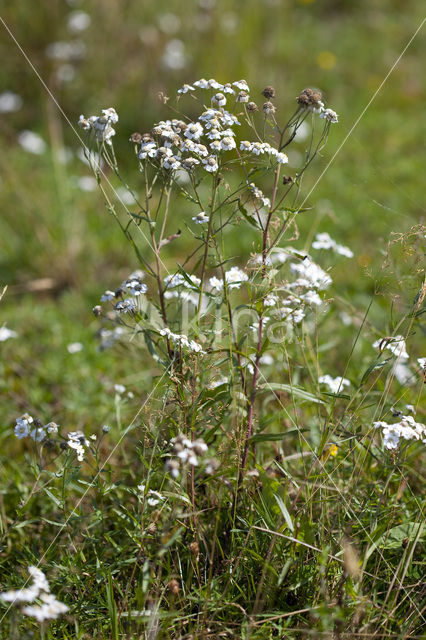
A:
x: 194, y: 549
x: 287, y: 179
x: 156, y: 131
x: 268, y: 108
x: 173, y: 587
x: 135, y: 137
x: 97, y: 311
x: 38, y: 423
x: 268, y: 92
x: 310, y: 98
x: 252, y: 106
x: 151, y: 528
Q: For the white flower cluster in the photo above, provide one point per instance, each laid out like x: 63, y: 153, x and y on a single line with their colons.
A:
x: 6, y: 333
x: 100, y: 125
x: 258, y: 194
x: 50, y: 608
x: 324, y: 241
x: 335, y: 385
x: 407, y: 428
x: 174, y: 144
x: 77, y: 441
x: 182, y: 340
x: 329, y: 115
x: 310, y: 275
x: 186, y: 289
x: 261, y: 148
x: 153, y: 498
x: 134, y: 286
x: 186, y: 452
x: 233, y: 278
x: 396, y: 345
x: 25, y: 426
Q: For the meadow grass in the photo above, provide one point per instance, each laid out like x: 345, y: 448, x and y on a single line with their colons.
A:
x: 308, y: 527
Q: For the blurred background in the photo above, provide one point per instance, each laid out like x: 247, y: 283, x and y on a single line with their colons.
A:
x: 60, y: 249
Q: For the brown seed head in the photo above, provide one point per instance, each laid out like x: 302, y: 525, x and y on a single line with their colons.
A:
x: 135, y: 137
x: 173, y: 587
x: 194, y: 549
x: 252, y: 106
x: 287, y: 179
x: 309, y: 98
x: 268, y: 108
x: 151, y: 528
x: 268, y: 92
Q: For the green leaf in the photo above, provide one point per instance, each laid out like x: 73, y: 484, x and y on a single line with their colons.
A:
x: 407, y: 532
x: 274, y: 437
x: 285, y: 513
x: 247, y: 216
x: 377, y: 364
x: 291, y: 390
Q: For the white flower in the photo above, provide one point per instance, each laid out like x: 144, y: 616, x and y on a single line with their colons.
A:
x: 108, y: 295
x: 38, y: 434
x: 266, y: 359
x: 213, y: 134
x: 135, y: 287
x: 106, y: 428
x: 74, y: 347
x: 32, y: 142
x: 51, y: 427
x: 210, y: 164
x: 422, y: 362
x: 22, y: 428
x: 214, y: 84
x: 86, y: 183
x: 281, y: 158
x: 329, y: 115
x: 312, y: 274
x: 186, y: 88
x: 78, y: 21
x: 219, y: 100
x: 6, y: 333
x: 396, y: 345
x: 245, y: 145
x: 270, y: 300
x: 125, y: 306
x: 241, y: 85
x: 407, y: 428
x: 334, y: 384
x: 216, y: 146
x: 10, y: 102
x: 119, y: 388
x: 258, y: 148
x: 201, y: 84
x: 227, y: 143
x: 311, y: 297
x: 227, y: 88
x: 201, y: 218
x: 235, y: 277
x: 194, y: 131
x: 324, y: 241
x: 101, y: 125
x: 50, y: 610
x: 215, y: 283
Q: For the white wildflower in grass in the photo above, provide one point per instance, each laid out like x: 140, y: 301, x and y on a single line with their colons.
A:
x: 87, y: 183
x: 78, y: 21
x: 32, y: 142
x: 101, y: 125
x: 153, y: 498
x: 74, y: 347
x: 38, y: 434
x: 241, y: 85
x: 235, y: 277
x: 201, y: 218
x: 186, y: 88
x: 219, y: 100
x: 185, y: 452
x: 10, y: 102
x: 422, y: 362
x: 51, y: 428
x: 395, y: 344
x: 125, y: 306
x: 329, y: 115
x: 23, y: 426
x: 6, y: 334
x: 324, y: 241
x: 47, y: 608
x: 182, y: 340
x: 216, y: 284
x: 311, y: 274
x: 106, y: 428
x: 50, y: 609
x: 335, y: 385
x: 78, y: 441
x: 406, y: 429
x: 246, y: 145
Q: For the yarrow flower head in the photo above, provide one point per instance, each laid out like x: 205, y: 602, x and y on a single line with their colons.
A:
x: 50, y: 609
x: 201, y: 218
x: 100, y: 125
x: 329, y: 115
x: 407, y: 428
x: 334, y: 384
x: 185, y: 452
